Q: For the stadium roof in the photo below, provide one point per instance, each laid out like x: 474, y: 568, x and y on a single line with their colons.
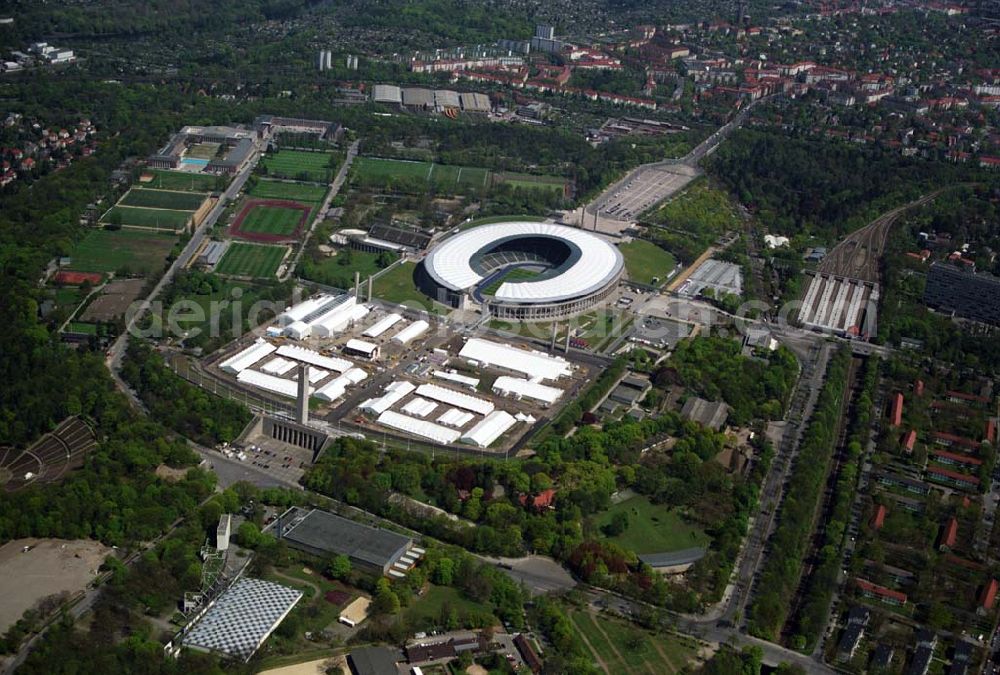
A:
x: 489, y: 429
x: 673, y: 558
x: 592, y: 266
x: 329, y: 532
x: 242, y: 618
x: 535, y: 365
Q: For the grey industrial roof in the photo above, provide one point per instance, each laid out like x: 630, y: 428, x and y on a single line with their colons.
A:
x: 387, y: 93
x: 710, y: 414
x: 242, y: 617
x: 374, y: 661
x: 329, y: 532
x: 475, y: 102
x: 446, y: 98
x: 417, y: 96
x: 673, y: 558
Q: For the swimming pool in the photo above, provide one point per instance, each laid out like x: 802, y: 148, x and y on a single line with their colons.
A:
x: 193, y: 161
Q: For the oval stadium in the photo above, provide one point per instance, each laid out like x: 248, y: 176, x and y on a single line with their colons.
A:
x: 522, y: 270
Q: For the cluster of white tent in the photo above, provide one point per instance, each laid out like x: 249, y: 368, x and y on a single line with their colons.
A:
x: 536, y: 366
x: 322, y: 316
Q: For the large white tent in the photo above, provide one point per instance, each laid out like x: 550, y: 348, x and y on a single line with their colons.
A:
x: 489, y: 429
x: 247, y: 357
x: 537, y: 366
x: 455, y: 398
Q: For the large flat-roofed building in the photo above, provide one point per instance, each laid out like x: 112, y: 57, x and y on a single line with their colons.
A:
x: 323, y: 534
x: 522, y: 270
x: 242, y: 618
x: 963, y: 293
x: 387, y: 93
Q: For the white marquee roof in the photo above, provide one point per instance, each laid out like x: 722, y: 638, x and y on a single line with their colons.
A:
x: 277, y: 385
x: 521, y: 387
x: 394, y: 393
x: 453, y: 417
x: 412, y: 425
x: 455, y: 398
x: 314, y: 358
x: 413, y: 330
x: 248, y: 357
x: 382, y: 325
x: 535, y: 365
x: 489, y: 429
x: 450, y: 262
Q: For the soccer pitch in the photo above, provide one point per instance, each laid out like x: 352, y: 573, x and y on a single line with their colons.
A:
x: 375, y: 170
x: 162, y: 199
x: 299, y: 164
x: 297, y: 192
x: 140, y: 217
x: 271, y: 220
x: 251, y: 260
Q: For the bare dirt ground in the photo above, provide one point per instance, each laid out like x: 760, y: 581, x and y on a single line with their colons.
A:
x: 51, y: 567
x: 317, y: 667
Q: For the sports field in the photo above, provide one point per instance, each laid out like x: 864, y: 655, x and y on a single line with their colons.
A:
x: 513, y: 276
x: 109, y: 251
x: 618, y: 647
x: 163, y: 199
x: 377, y: 170
x: 652, y: 528
x: 645, y: 261
x: 527, y: 181
x: 271, y: 220
x: 134, y: 215
x: 299, y: 192
x: 299, y: 165
x: 179, y: 180
x: 251, y: 260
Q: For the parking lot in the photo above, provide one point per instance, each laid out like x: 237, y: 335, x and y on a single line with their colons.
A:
x: 642, y: 190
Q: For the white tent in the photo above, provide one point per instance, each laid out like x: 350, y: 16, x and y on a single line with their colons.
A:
x: 413, y: 330
x: 247, y: 357
x: 470, y: 382
x: 382, y: 325
x: 419, y: 407
x: 314, y: 358
x: 454, y: 417
x: 535, y: 365
x: 394, y: 393
x: 455, y: 398
x: 489, y: 429
x: 277, y: 385
x: 518, y: 387
x: 423, y: 428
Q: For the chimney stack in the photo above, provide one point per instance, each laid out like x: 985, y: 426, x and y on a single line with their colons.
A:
x: 303, y: 399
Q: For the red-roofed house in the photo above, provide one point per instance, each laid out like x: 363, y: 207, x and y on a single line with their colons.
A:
x: 908, y: 440
x: 962, y: 397
x: 886, y: 595
x: 878, y: 520
x: 991, y: 431
x: 955, y: 459
x: 543, y: 500
x: 949, y: 533
x: 962, y: 480
x: 949, y: 440
x: 896, y: 413
x: 989, y: 595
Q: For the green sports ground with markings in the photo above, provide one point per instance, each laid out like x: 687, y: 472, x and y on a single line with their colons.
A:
x: 271, y: 220
x: 251, y: 260
x: 163, y: 199
x: 298, y: 192
x: 298, y: 164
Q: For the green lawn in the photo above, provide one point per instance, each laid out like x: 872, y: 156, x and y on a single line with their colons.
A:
x: 140, y: 217
x: 110, y: 251
x: 271, y: 220
x: 251, y: 260
x: 380, y: 171
x: 652, y: 528
x: 596, y: 327
x: 163, y: 199
x: 79, y: 327
x: 202, y: 150
x: 333, y: 271
x: 645, y: 261
x: 180, y: 180
x: 300, y: 165
x: 532, y: 182
x: 625, y: 648
x: 397, y: 286
x: 425, y: 611
x: 299, y: 192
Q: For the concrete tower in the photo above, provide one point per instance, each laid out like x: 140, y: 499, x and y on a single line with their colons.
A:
x: 302, y: 409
